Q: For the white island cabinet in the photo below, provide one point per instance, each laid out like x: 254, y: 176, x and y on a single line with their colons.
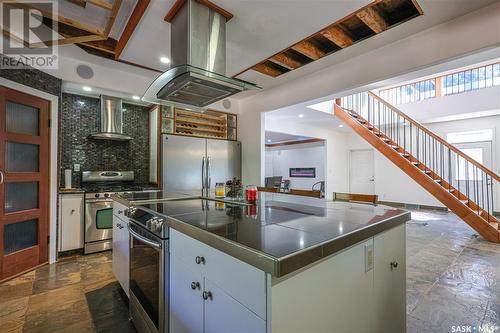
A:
x: 121, y: 246
x: 358, y: 289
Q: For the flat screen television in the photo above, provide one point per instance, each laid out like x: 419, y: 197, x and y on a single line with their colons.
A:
x: 302, y: 173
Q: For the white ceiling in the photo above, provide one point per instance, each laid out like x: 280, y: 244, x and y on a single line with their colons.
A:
x: 277, y: 137
x: 301, y: 114
x: 261, y: 28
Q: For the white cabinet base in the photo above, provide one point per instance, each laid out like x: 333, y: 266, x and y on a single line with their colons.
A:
x: 70, y: 222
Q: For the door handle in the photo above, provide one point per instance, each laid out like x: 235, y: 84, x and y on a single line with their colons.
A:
x: 209, y: 173
x: 203, y: 173
x: 1, y: 177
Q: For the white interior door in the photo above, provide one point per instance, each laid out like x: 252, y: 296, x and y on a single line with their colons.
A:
x: 361, y: 172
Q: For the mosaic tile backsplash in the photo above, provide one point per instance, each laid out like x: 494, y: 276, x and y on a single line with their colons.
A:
x: 81, y: 117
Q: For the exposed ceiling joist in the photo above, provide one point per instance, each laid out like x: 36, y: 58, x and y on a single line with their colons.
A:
x: 132, y: 23
x: 374, y: 18
x: 286, y: 61
x: 309, y: 49
x: 60, y: 19
x: 371, y: 17
x: 67, y: 40
x: 268, y: 70
x: 111, y: 20
x: 338, y: 36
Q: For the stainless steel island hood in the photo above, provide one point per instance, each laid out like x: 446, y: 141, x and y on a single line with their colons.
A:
x: 111, y: 120
x: 198, y: 44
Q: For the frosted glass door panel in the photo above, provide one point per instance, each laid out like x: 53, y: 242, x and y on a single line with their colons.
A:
x: 21, y: 157
x: 20, y: 235
x: 21, y: 196
x: 22, y: 119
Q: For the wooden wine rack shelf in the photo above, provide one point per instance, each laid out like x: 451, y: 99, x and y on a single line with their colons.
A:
x: 210, y: 124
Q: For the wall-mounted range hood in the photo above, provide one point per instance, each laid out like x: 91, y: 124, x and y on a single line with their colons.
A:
x: 198, y: 44
x: 111, y: 120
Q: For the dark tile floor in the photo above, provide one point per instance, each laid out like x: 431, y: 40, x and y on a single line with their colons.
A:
x: 453, y: 278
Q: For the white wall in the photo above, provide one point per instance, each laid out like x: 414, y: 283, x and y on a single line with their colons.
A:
x: 392, y: 184
x: 280, y: 159
x: 431, y: 47
x: 336, y: 169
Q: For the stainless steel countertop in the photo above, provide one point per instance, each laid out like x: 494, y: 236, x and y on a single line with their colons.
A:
x: 280, y: 233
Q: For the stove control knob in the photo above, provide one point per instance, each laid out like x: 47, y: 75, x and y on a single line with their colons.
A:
x: 106, y: 195
x: 97, y: 195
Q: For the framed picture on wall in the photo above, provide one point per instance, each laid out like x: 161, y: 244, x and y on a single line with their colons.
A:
x: 303, y: 172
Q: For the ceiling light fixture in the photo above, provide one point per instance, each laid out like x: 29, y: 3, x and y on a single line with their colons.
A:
x: 135, y: 97
x: 341, y: 125
x: 301, y: 115
x: 269, y: 140
x: 164, y: 60
x: 86, y: 88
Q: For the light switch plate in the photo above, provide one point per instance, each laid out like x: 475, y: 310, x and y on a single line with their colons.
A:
x: 368, y: 257
x: 76, y: 167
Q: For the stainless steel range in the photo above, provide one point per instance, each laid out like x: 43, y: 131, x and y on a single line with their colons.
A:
x: 149, y: 271
x: 99, y: 186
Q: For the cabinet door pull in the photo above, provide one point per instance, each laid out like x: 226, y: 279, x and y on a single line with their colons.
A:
x: 195, y: 285
x: 199, y: 260
x: 394, y: 264
x: 207, y: 295
x: 72, y: 212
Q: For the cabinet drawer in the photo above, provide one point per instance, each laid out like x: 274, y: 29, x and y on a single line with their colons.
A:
x: 119, y: 210
x: 242, y: 281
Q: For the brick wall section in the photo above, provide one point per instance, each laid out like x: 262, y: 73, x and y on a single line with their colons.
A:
x: 81, y: 117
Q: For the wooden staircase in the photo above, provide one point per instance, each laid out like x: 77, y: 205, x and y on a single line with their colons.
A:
x: 455, y: 179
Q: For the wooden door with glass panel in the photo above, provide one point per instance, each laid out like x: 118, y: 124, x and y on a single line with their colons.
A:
x: 24, y: 182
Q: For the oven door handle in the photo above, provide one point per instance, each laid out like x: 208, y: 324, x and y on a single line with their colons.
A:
x: 142, y: 238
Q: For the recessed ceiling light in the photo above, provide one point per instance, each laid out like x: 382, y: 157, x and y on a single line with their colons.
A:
x: 269, y: 140
x: 86, y: 88
x: 135, y: 97
x: 341, y: 125
x: 164, y: 60
x: 301, y: 115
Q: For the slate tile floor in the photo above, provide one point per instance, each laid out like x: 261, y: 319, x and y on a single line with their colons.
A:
x: 453, y: 278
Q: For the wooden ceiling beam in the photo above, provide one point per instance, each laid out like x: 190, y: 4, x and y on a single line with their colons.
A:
x: 111, y: 20
x: 286, y: 61
x: 132, y: 23
x: 60, y: 19
x: 179, y: 3
x: 337, y: 36
x: 65, y: 41
x: 267, y: 70
x: 371, y: 17
x: 309, y: 49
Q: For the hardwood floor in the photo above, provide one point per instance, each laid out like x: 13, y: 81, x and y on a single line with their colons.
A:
x: 453, y: 278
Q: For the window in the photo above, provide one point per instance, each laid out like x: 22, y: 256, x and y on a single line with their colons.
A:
x: 470, y: 136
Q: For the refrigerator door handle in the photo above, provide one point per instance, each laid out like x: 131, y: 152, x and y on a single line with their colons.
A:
x: 209, y: 174
x: 203, y: 174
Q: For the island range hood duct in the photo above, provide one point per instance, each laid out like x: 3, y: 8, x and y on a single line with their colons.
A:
x: 198, y: 51
x: 111, y: 120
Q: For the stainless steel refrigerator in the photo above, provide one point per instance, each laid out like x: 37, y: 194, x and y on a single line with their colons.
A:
x: 195, y: 165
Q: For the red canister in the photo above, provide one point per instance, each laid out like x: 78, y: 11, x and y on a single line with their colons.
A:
x: 251, y: 193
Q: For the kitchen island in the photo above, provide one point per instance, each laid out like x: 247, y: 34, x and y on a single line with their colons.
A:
x: 282, y: 264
